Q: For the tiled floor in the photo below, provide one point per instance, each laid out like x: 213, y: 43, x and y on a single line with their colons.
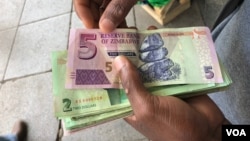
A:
x: 210, y: 9
x: 29, y: 31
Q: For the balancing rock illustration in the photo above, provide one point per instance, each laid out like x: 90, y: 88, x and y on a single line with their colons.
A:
x: 156, y: 67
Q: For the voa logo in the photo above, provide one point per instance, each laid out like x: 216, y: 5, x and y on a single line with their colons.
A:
x: 236, y: 132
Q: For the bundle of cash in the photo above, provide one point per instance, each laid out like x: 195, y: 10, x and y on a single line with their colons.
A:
x: 87, y: 91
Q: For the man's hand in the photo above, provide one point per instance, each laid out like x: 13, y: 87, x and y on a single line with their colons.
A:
x: 105, y: 14
x: 167, y: 118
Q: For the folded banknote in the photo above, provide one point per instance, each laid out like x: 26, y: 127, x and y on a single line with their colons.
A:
x: 163, y: 57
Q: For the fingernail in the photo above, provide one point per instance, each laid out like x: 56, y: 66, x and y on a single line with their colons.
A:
x: 107, y: 25
x: 119, y: 63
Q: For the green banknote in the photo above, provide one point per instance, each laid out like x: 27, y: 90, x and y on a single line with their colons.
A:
x: 188, y: 90
x: 80, y: 122
x: 76, y: 113
x: 83, y: 101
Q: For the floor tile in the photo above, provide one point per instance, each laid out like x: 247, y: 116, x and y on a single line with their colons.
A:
x: 10, y: 13
x: 224, y: 1
x: 6, y: 41
x: 76, y: 22
x: 209, y: 18
x: 211, y: 11
x: 190, y: 17
x: 143, y: 19
x: 117, y: 130
x: 29, y: 99
x: 35, y: 10
x: 34, y: 44
x: 215, y: 2
x: 130, y: 19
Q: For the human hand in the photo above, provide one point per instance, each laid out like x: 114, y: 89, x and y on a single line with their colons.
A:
x: 103, y: 14
x: 167, y: 118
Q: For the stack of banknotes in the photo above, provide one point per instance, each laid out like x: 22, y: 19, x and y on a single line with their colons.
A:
x: 87, y: 91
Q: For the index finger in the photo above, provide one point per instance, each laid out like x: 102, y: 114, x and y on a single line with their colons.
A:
x: 115, y: 14
x: 84, y: 10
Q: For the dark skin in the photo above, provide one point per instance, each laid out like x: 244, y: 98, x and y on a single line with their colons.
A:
x: 160, y: 118
x: 104, y: 14
x: 167, y: 118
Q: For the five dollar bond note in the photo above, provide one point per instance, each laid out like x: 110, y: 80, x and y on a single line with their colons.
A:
x: 163, y: 57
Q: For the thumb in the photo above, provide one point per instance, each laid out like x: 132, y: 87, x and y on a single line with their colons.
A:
x: 131, y: 82
x: 115, y: 14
